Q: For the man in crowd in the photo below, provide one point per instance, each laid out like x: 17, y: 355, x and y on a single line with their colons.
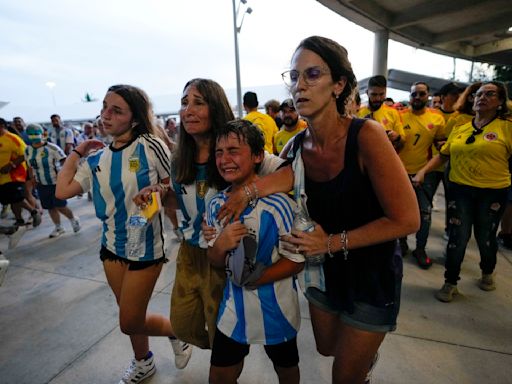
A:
x: 263, y: 121
x: 292, y: 125
x: 60, y: 135
x: 423, y: 127
x: 272, y: 109
x: 377, y: 110
x: 13, y: 174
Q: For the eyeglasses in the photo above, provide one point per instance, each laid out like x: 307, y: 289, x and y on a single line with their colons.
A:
x: 487, y: 94
x: 476, y: 131
x: 310, y: 75
x: 420, y: 94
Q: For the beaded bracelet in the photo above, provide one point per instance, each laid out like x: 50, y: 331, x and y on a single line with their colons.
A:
x: 251, y: 200
x: 344, y: 244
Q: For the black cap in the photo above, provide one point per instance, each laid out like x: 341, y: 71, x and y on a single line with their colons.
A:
x: 451, y: 88
x: 287, y: 103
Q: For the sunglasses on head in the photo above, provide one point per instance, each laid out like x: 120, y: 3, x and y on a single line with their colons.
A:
x: 420, y: 94
x: 471, y: 139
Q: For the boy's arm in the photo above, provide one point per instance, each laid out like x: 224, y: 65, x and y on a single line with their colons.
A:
x: 227, y: 240
x: 282, y: 269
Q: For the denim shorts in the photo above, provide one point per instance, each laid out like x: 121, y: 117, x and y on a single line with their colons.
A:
x: 365, y: 317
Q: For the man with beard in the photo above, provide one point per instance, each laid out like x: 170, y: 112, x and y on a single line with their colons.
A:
x: 377, y: 110
x: 423, y: 127
x: 291, y: 125
x: 61, y: 136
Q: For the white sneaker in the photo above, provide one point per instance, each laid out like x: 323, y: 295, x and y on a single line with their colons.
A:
x: 139, y: 370
x: 75, y: 223
x: 15, y: 238
x: 4, y: 264
x: 57, y: 232
x: 182, y: 352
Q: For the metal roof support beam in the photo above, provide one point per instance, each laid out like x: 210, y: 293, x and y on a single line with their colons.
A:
x: 431, y: 10
x: 380, y: 52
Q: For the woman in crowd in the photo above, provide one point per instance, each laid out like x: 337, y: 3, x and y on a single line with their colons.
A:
x: 479, y: 179
x: 463, y: 108
x: 348, y: 176
x: 135, y: 159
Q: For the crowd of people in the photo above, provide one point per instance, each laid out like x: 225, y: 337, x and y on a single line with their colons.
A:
x: 234, y: 188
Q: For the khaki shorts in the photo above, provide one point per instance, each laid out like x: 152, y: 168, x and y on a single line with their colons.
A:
x: 196, y: 296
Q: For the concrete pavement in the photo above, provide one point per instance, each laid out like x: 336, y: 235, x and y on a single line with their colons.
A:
x: 58, y: 320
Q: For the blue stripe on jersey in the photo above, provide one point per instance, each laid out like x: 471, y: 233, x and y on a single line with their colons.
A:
x: 120, y: 216
x: 268, y: 238
x: 46, y: 167
x: 282, y: 207
x: 143, y: 181
x: 100, y: 205
x: 239, y: 331
x: 275, y: 324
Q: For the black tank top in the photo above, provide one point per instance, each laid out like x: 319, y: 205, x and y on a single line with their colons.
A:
x: 346, y: 202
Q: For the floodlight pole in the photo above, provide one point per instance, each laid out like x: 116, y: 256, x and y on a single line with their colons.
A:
x: 237, y: 64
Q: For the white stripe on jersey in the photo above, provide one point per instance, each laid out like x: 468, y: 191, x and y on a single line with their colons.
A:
x: 45, y: 161
x: 270, y: 314
x: 115, y: 177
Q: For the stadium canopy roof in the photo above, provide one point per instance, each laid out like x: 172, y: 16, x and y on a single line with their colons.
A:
x: 474, y: 30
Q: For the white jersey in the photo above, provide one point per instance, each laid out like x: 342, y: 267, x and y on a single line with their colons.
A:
x: 61, y: 137
x: 45, y: 161
x: 193, y: 198
x: 115, y: 177
x: 269, y: 314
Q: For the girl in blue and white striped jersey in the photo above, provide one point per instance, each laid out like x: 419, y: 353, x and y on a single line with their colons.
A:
x: 135, y: 159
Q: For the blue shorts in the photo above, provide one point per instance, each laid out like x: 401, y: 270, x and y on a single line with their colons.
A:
x: 47, y: 197
x: 365, y: 317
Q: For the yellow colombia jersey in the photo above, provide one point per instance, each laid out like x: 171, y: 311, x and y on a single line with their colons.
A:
x: 267, y: 124
x: 11, y: 147
x: 420, y: 133
x: 484, y: 163
x: 388, y: 117
x: 283, y: 136
x: 457, y: 120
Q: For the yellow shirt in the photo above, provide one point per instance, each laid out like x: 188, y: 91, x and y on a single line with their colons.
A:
x: 388, y: 117
x: 283, y: 136
x: 457, y: 120
x: 420, y: 133
x: 267, y: 125
x: 484, y: 163
x: 12, y: 147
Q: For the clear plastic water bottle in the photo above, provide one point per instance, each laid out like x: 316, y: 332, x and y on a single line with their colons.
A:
x: 136, y: 244
x: 302, y: 222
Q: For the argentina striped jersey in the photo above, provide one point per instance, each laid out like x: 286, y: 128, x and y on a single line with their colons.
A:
x: 269, y: 314
x: 115, y: 177
x: 45, y: 161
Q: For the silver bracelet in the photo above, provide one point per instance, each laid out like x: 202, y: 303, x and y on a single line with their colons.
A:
x: 329, y: 252
x: 344, y: 244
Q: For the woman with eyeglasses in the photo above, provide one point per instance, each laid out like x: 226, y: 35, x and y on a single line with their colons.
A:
x: 347, y: 176
x: 479, y: 179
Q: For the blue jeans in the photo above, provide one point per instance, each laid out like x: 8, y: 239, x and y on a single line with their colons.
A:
x: 424, y: 194
x: 481, y: 208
